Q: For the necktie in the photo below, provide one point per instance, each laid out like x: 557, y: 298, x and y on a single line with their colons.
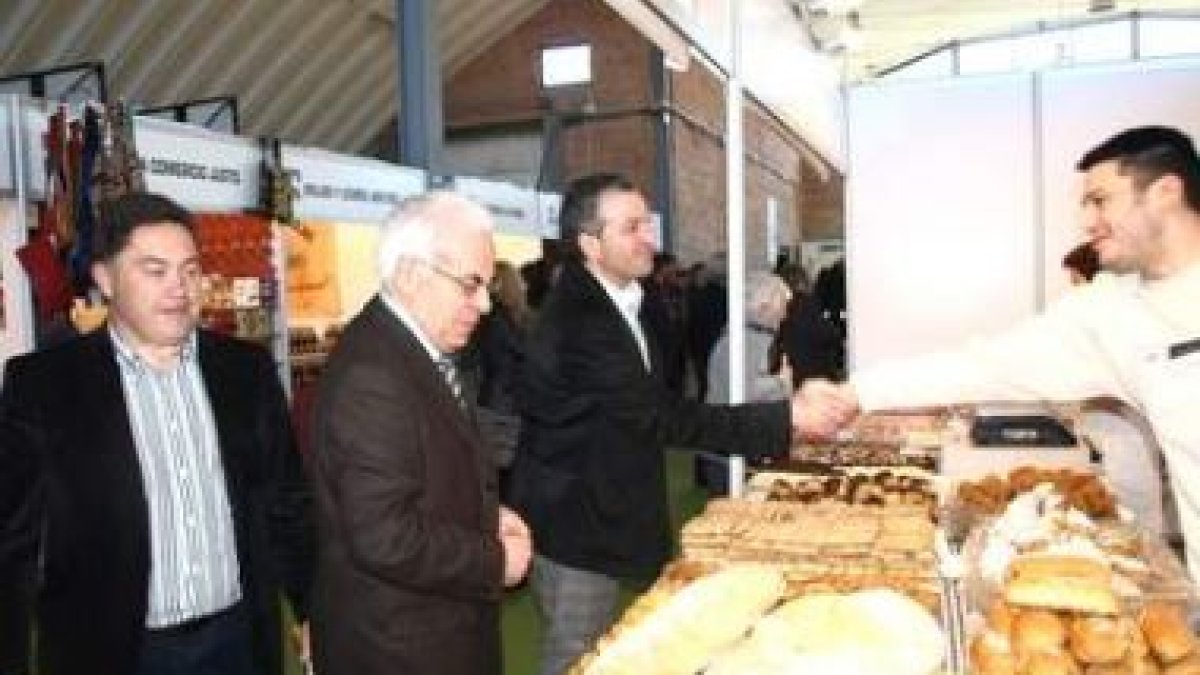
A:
x: 446, y: 366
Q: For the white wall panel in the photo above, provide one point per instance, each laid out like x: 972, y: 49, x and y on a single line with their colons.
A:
x: 942, y: 213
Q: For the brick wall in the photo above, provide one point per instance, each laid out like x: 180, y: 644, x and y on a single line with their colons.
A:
x: 823, y: 205
x: 610, y: 126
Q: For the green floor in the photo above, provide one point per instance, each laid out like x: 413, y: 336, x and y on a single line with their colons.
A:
x: 520, y: 617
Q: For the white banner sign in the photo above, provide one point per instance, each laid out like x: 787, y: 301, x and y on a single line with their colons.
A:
x: 548, y: 205
x: 515, y: 209
x: 341, y: 188
x: 200, y: 169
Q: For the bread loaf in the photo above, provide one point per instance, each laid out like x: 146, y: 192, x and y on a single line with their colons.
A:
x: 1166, y: 631
x: 991, y: 654
x: 1189, y: 665
x: 1100, y: 640
x: 1038, y: 630
x: 1142, y: 665
x: 1049, y: 565
x: 1000, y: 617
x: 1050, y: 663
x: 1061, y: 582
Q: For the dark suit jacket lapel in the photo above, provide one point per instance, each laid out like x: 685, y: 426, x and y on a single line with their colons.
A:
x: 589, y: 287
x: 421, y: 367
x: 109, y: 425
x: 115, y: 433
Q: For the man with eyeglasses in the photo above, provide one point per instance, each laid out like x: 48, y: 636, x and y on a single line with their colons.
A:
x: 415, y: 550
x: 589, y: 474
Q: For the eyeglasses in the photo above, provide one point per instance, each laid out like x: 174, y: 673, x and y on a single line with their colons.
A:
x: 469, y: 284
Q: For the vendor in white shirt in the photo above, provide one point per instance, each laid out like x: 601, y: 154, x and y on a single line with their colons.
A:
x: 1133, y: 336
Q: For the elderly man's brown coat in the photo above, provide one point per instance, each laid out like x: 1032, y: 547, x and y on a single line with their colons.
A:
x: 410, y: 568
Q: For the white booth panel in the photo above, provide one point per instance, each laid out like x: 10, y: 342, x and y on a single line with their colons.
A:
x: 1084, y: 106
x: 941, y: 213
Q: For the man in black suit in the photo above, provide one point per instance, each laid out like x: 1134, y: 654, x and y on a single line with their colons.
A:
x: 153, y: 505
x: 589, y: 474
x: 415, y: 550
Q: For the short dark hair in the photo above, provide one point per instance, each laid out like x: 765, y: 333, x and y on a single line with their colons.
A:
x: 1149, y: 153
x: 1083, y: 260
x: 578, y: 212
x: 120, y: 216
x: 664, y: 259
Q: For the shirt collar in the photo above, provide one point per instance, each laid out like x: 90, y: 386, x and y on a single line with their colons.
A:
x: 397, y: 308
x: 629, y: 298
x: 126, y: 353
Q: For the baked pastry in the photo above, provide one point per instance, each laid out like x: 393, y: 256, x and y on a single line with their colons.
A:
x: 1142, y: 665
x: 1041, y: 565
x: 991, y: 653
x: 1099, y: 639
x: 1189, y: 665
x: 854, y: 633
x: 1038, y: 630
x: 1166, y: 631
x: 1061, y: 582
x: 681, y: 635
x: 1050, y: 663
x: 1000, y: 617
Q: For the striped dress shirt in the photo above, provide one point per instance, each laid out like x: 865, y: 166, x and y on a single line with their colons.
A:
x: 193, y: 560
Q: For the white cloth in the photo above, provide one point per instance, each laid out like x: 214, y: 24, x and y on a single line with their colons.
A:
x: 1109, y: 338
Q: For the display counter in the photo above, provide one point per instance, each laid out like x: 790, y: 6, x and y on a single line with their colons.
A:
x: 895, y: 565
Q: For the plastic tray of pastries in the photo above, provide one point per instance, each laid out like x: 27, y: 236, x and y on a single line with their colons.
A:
x: 1102, y: 598
x: 813, y: 457
x: 865, y: 486
x: 1142, y: 567
x: 816, y: 541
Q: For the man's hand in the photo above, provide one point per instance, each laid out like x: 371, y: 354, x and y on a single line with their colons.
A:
x: 518, y: 546
x: 821, y: 408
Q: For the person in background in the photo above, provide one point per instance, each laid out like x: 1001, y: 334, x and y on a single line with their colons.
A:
x: 1082, y: 264
x: 665, y: 312
x: 812, y: 343
x: 1128, y: 451
x: 1133, y: 335
x: 414, y: 549
x: 766, y: 301
x: 501, y: 337
x: 499, y: 345
x: 538, y: 276
x: 830, y: 290
x: 707, y: 313
x: 767, y: 298
x: 153, y: 505
x: 596, y: 415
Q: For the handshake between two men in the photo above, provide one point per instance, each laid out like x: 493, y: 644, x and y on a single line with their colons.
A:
x: 821, y: 408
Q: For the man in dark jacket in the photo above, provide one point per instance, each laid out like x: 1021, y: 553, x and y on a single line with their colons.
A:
x: 152, y: 504
x: 589, y: 474
x: 415, y: 550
